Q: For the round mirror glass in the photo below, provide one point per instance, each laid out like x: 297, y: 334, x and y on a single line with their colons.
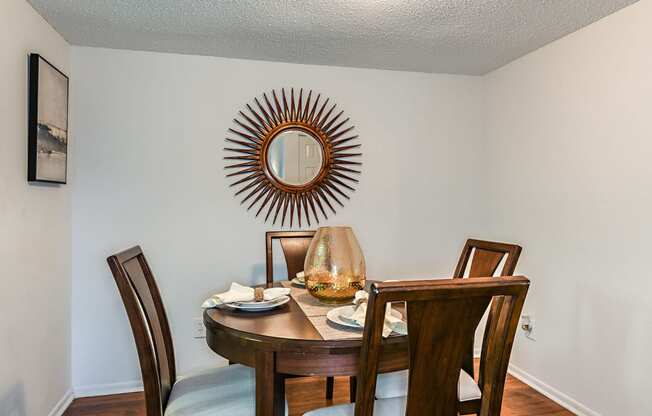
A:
x: 294, y: 157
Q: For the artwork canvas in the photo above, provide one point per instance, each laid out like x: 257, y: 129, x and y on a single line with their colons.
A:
x: 48, y: 122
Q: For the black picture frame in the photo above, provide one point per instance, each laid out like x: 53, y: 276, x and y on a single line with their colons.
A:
x: 47, y: 144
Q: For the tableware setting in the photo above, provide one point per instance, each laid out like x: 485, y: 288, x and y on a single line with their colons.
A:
x: 259, y: 306
x: 299, y: 280
x: 249, y: 299
x: 353, y: 316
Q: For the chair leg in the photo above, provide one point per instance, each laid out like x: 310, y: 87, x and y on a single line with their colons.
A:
x: 330, y: 382
x: 353, y: 386
x: 467, y: 363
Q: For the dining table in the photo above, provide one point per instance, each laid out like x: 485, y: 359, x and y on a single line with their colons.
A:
x: 292, y: 340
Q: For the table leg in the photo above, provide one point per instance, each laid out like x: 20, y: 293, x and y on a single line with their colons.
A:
x: 330, y: 385
x: 353, y: 388
x: 270, y: 386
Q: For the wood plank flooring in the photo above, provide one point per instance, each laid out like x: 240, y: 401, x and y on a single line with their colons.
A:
x: 305, y: 394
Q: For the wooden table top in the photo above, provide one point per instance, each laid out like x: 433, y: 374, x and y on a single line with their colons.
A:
x: 286, y: 328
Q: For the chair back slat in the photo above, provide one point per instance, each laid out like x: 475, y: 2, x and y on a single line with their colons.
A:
x: 496, y: 350
x: 149, y: 325
x: 442, y: 315
x: 487, y: 256
x: 433, y: 341
x: 295, y: 247
x: 485, y: 262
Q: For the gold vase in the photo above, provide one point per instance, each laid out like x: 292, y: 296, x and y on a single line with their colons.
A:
x: 334, y: 267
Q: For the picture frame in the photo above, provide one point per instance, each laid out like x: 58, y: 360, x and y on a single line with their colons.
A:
x: 47, y: 153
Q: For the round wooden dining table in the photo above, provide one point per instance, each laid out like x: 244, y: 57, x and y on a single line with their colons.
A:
x: 283, y: 343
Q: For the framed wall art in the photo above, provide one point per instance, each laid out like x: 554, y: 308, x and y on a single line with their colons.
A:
x: 47, y: 159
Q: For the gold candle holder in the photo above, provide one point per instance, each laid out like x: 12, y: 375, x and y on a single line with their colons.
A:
x: 334, y: 267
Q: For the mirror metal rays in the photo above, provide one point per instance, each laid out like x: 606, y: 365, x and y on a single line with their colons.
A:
x: 293, y: 157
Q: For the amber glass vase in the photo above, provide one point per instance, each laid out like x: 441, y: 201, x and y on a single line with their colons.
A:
x: 334, y: 268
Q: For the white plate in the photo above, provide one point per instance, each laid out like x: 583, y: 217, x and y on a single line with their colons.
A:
x: 297, y: 282
x: 260, y: 306
x: 341, y: 316
x: 254, y: 303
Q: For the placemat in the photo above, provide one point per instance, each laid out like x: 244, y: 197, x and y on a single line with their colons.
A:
x: 316, y: 312
x: 330, y: 331
x: 308, y: 303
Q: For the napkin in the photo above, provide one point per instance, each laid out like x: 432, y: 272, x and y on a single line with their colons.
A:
x: 239, y: 293
x: 392, y: 323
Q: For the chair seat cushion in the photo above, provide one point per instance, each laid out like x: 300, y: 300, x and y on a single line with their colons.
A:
x: 222, y: 391
x: 395, y: 384
x: 382, y: 407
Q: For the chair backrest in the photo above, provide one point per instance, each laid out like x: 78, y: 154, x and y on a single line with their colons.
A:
x: 295, y: 246
x: 487, y: 256
x: 149, y: 325
x: 441, y: 317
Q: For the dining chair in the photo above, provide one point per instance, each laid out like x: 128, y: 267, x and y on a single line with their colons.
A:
x: 228, y: 390
x: 295, y: 247
x: 485, y: 258
x: 441, y: 315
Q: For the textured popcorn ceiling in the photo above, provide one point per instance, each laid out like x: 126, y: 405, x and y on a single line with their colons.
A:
x: 449, y: 36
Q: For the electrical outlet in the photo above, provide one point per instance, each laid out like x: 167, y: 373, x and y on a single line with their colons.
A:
x: 527, y: 326
x: 199, y: 330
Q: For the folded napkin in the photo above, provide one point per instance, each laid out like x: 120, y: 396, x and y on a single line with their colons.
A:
x: 239, y: 293
x: 392, y: 323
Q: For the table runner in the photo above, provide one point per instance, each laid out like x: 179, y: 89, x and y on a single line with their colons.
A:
x: 316, y: 312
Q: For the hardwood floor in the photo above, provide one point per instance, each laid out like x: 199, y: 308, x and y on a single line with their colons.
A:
x: 305, y: 394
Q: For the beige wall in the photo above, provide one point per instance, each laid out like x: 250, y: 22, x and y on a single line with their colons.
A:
x: 569, y: 140
x: 34, y: 234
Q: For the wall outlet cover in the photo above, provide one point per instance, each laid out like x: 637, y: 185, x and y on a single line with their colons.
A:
x: 199, y: 330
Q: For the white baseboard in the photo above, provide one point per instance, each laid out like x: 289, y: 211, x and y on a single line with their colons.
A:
x: 551, y: 393
x: 110, y: 388
x: 113, y: 388
x: 62, y: 404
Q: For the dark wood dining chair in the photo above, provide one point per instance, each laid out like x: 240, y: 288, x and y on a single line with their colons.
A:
x: 229, y: 390
x: 484, y: 257
x: 441, y: 315
x: 295, y: 247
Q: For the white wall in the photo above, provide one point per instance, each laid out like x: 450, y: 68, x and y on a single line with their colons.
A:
x: 570, y: 144
x: 34, y: 234
x: 149, y: 171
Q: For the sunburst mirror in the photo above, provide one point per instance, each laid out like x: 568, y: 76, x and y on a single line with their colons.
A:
x: 294, y: 156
